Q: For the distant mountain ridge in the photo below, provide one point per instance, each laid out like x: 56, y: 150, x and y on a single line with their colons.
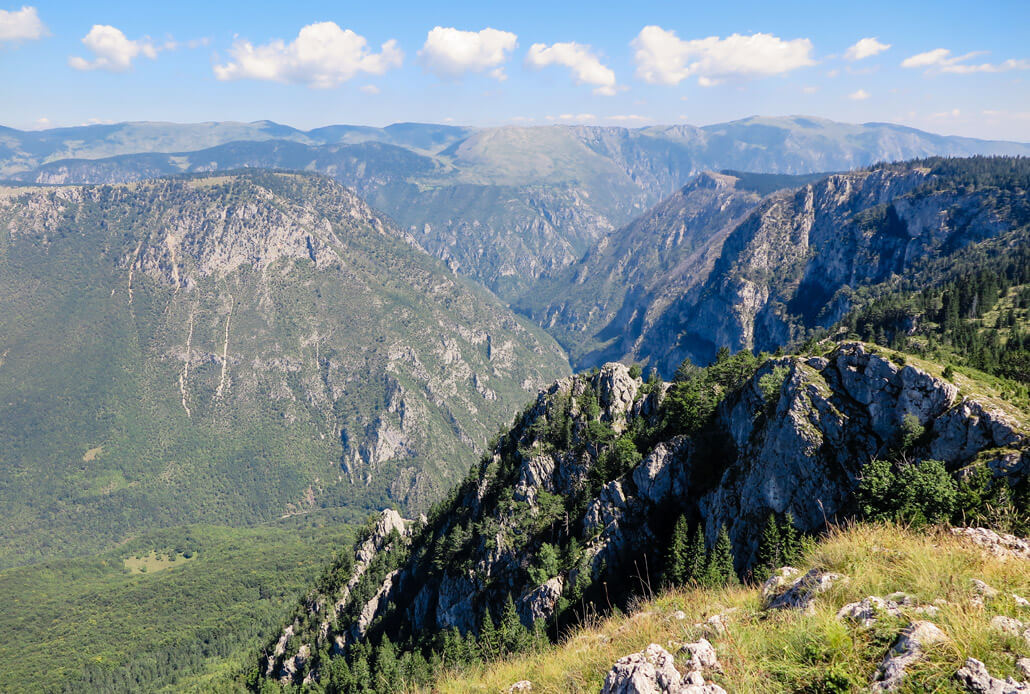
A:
x: 501, y: 205
x: 719, y: 266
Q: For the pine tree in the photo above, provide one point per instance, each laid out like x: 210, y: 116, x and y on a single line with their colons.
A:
x: 720, y: 564
x: 697, y: 556
x: 676, y: 568
x: 769, y: 556
x: 790, y: 541
x: 360, y: 674
x: 453, y: 648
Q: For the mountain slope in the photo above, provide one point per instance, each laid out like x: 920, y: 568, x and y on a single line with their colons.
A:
x: 574, y: 508
x: 229, y: 349
x: 600, y: 306
x: 792, y: 264
x: 502, y: 205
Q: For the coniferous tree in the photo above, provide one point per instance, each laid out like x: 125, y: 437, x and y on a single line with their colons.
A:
x: 720, y: 563
x: 676, y: 561
x: 489, y: 641
x: 387, y: 671
x: 512, y: 633
x: 697, y: 556
x: 453, y: 648
x: 769, y: 555
x: 361, y: 674
x: 790, y: 541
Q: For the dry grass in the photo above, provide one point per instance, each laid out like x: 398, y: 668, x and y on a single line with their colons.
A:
x: 787, y: 651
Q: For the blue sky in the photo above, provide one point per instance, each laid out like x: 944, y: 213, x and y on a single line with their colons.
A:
x: 308, y: 64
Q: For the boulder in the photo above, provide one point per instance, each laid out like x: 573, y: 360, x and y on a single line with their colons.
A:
x: 653, y: 671
x: 908, y: 649
x: 801, y: 592
x: 975, y: 678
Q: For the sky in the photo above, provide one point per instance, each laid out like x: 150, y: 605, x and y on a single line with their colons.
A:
x: 949, y: 67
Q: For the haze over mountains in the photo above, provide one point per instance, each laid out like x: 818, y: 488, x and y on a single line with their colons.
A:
x: 501, y: 205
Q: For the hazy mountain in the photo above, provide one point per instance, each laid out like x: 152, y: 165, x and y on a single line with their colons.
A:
x: 502, y: 205
x: 712, y: 267
x: 233, y: 348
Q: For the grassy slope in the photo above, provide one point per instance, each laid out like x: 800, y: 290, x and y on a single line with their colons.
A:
x: 788, y: 651
x: 190, y: 625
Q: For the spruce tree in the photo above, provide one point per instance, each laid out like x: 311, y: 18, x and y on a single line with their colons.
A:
x: 512, y: 633
x: 790, y: 541
x: 769, y: 555
x: 676, y: 560
x: 489, y: 643
x: 720, y: 563
x: 697, y: 556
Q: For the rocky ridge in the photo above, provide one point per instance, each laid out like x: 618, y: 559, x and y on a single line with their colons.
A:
x: 799, y: 447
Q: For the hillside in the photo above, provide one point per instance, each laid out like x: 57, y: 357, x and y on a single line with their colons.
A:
x: 760, y: 276
x: 229, y: 349
x: 501, y: 205
x: 575, y: 509
x: 822, y: 650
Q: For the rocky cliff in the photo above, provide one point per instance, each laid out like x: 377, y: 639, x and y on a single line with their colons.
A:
x: 576, y: 502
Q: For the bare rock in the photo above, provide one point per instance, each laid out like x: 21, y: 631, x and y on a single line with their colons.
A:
x: 521, y: 686
x: 975, y: 677
x: 908, y: 649
x: 539, y: 603
x: 653, y: 671
x: 702, y: 656
x: 998, y: 544
x: 801, y: 593
x: 778, y: 580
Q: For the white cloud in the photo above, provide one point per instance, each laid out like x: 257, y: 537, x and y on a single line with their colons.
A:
x: 573, y: 117
x: 323, y: 55
x: 941, y: 60
x: 630, y: 117
x: 860, y: 95
x: 370, y: 89
x: 111, y: 50
x: 449, y: 52
x: 810, y: 89
x: 865, y: 48
x: 953, y: 113
x: 587, y: 67
x: 664, y: 58
x: 21, y: 25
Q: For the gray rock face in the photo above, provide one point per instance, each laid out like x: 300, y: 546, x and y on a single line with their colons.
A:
x: 975, y: 678
x: 540, y: 603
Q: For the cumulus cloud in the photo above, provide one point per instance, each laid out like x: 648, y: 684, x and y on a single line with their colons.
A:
x: 111, y: 50
x: 370, y: 89
x: 323, y: 56
x: 450, y: 52
x: 865, y: 48
x: 941, y: 60
x: 587, y: 67
x: 664, y: 58
x: 21, y: 25
x: 859, y: 95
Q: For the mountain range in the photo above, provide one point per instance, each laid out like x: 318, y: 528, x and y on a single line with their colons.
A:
x: 501, y: 205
